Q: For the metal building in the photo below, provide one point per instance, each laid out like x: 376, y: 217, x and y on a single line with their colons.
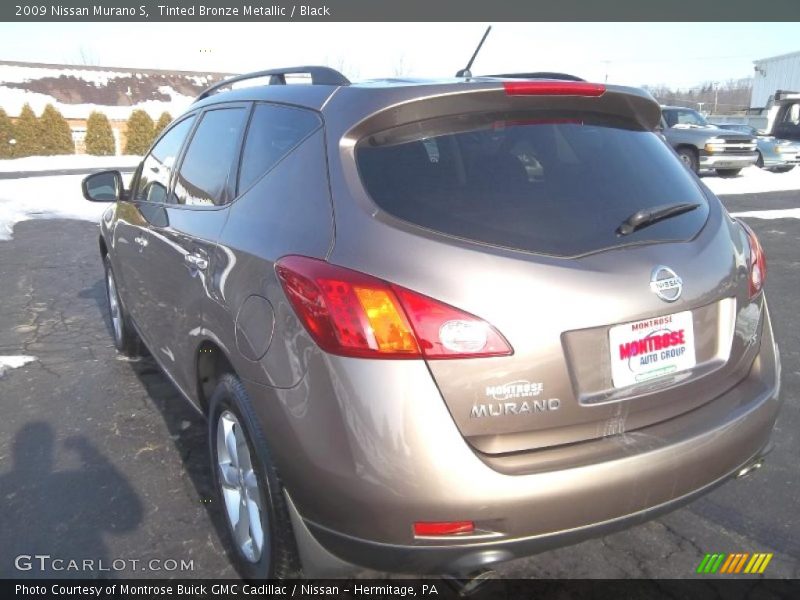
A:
x: 773, y: 74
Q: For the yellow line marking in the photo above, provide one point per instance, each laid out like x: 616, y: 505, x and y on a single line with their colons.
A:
x: 765, y: 563
x: 752, y: 563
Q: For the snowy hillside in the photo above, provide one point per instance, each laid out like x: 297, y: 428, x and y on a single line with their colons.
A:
x: 78, y: 90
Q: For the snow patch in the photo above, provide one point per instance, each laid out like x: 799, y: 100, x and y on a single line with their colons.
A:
x: 57, y: 197
x: 785, y: 213
x: 753, y: 180
x: 13, y: 99
x: 13, y: 362
x: 68, y: 161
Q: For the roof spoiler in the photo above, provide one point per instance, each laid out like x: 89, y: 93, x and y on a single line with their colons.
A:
x: 537, y: 75
x: 319, y: 76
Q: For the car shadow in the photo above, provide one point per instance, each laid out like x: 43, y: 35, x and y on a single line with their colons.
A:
x: 44, y: 511
x: 188, y: 432
x: 97, y: 292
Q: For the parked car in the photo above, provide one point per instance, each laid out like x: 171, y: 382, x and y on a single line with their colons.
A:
x: 701, y: 145
x: 436, y: 325
x: 773, y: 154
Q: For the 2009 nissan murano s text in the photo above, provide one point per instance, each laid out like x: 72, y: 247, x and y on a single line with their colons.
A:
x: 435, y: 325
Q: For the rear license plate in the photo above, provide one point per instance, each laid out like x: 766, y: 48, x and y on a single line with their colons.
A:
x: 651, y: 348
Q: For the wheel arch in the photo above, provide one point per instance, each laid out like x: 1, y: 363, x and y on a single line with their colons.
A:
x: 685, y: 146
x: 211, y: 363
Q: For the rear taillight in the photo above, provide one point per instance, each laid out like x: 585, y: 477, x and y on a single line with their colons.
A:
x: 757, y: 268
x: 353, y: 314
x: 553, y: 88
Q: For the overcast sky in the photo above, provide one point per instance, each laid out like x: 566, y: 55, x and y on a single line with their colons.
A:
x: 677, y: 54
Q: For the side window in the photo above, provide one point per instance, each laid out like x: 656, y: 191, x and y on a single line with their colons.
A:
x: 206, y: 166
x: 793, y: 114
x: 274, y: 131
x: 157, y: 166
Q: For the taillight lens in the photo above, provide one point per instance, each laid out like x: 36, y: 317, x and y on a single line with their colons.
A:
x: 353, y: 314
x: 757, y: 269
x: 553, y: 88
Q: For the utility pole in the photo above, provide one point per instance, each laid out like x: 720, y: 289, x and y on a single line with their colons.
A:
x: 716, y: 95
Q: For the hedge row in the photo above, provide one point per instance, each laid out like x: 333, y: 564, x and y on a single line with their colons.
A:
x: 50, y: 133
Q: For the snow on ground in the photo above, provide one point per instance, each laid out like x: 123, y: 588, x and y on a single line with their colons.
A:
x: 69, y: 161
x: 781, y: 213
x: 44, y: 198
x: 19, y: 74
x: 754, y: 180
x: 13, y: 362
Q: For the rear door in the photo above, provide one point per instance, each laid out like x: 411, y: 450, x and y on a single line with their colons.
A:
x: 181, y: 242
x: 517, y: 218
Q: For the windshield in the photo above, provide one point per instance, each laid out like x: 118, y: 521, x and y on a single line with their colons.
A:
x: 684, y: 116
x: 549, y: 183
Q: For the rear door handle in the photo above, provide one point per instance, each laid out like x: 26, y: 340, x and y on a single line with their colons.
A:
x: 196, y: 261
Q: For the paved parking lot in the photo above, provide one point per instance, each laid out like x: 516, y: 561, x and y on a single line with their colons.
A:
x: 101, y: 459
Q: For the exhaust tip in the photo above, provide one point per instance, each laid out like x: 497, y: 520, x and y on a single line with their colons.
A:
x: 468, y: 584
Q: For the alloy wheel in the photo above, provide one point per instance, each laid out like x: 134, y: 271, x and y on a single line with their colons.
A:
x: 239, y: 486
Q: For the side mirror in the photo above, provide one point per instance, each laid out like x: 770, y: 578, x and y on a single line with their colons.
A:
x: 104, y: 186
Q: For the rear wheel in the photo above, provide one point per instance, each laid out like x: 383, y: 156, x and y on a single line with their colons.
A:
x: 760, y: 160
x: 248, y: 487
x: 125, y: 338
x: 688, y: 157
x: 728, y: 172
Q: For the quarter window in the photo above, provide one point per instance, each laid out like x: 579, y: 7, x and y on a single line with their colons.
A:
x: 158, y: 165
x: 793, y: 114
x: 203, y: 176
x: 274, y: 131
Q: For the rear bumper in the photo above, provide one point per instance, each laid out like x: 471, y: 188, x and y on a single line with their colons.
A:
x: 782, y: 159
x: 337, y: 553
x: 727, y: 161
x: 405, y: 461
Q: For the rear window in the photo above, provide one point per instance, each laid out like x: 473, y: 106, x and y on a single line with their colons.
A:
x: 557, y: 184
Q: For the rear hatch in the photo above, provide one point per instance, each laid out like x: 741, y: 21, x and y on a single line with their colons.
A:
x: 511, y: 206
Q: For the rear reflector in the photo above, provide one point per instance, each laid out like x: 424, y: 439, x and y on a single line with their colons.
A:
x: 353, y: 314
x: 553, y: 88
x: 443, y: 528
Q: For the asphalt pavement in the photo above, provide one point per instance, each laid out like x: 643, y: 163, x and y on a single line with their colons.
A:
x: 101, y: 459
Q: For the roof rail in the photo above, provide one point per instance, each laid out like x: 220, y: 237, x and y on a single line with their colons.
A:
x: 538, y: 75
x: 319, y: 76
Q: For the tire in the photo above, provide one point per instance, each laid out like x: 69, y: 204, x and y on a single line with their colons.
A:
x: 239, y: 448
x: 760, y: 160
x: 688, y: 157
x: 126, y: 340
x: 728, y: 172
x: 784, y: 169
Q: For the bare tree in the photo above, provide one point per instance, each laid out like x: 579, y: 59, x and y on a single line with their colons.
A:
x: 340, y: 64
x: 86, y: 56
x: 729, y: 97
x: 400, y: 68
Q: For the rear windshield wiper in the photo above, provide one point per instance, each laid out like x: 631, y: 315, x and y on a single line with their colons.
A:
x: 648, y: 216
